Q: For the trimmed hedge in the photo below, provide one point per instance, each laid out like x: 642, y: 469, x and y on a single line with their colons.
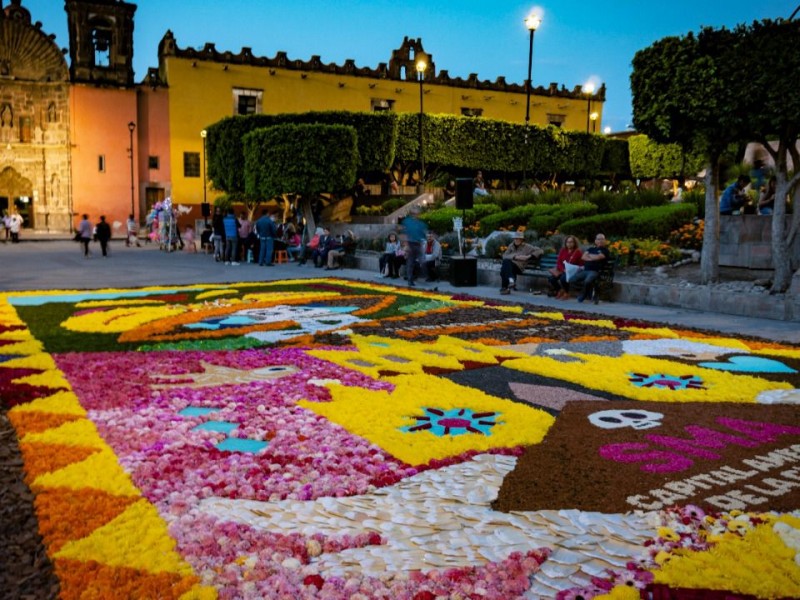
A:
x: 376, y: 138
x: 305, y: 159
x: 565, y: 212
x: 656, y: 222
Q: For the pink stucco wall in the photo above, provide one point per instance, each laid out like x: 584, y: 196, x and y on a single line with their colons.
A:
x: 99, y: 127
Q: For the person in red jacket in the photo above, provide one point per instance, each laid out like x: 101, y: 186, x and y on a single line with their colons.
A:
x: 570, y: 253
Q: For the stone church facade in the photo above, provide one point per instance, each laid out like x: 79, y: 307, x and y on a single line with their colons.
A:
x: 35, y: 178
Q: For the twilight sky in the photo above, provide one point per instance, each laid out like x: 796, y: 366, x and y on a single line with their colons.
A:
x: 576, y: 41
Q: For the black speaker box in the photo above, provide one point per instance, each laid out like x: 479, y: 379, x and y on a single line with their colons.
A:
x: 205, y: 209
x: 464, y: 272
x: 464, y: 189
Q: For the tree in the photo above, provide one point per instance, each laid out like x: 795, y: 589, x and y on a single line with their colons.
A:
x: 687, y: 90
x: 771, y: 58
x: 302, y: 159
x: 651, y: 160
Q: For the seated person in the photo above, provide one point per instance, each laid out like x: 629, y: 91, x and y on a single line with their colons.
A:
x: 480, y: 185
x: 450, y: 189
x: 205, y: 239
x: 766, y: 201
x: 431, y: 255
x: 294, y: 245
x: 594, y: 259
x: 515, y: 259
x: 570, y: 253
x: 320, y: 254
x: 734, y: 196
x: 360, y: 190
x: 392, y: 257
x: 342, y: 246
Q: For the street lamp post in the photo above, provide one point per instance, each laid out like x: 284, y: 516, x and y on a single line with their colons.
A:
x: 131, y: 127
x: 203, y: 135
x: 594, y: 117
x: 532, y: 22
x: 421, y: 66
x: 588, y: 89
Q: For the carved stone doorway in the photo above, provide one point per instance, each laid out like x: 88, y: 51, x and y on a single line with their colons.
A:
x: 16, y: 193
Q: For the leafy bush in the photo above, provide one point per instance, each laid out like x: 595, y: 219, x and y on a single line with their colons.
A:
x: 514, y: 218
x: 659, y: 221
x: 643, y: 253
x: 689, y: 236
x: 565, y: 212
x: 656, y: 222
x: 495, y: 247
x: 697, y: 198
x: 612, y: 225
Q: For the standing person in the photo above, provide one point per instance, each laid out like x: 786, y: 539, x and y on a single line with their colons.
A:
x: 515, y: 258
x: 390, y: 262
x: 103, y: 234
x: 594, y: 259
x: 734, y: 197
x: 415, y: 231
x: 85, y: 234
x: 265, y: 229
x: 432, y: 254
x: 570, y: 253
x: 231, y: 226
x: 218, y: 226
x: 245, y: 229
x: 16, y: 225
x: 132, y: 232
x: 7, y: 225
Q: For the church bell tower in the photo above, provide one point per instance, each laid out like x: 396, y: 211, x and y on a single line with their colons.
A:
x: 101, y: 42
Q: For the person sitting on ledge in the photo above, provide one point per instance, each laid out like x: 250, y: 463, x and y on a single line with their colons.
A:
x: 734, y: 197
x: 515, y: 258
x: 594, y: 259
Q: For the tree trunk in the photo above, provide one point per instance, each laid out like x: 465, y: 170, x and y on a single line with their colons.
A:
x: 782, y: 278
x: 709, y: 261
x: 308, y: 215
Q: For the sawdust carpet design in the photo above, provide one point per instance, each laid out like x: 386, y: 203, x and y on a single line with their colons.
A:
x: 337, y: 439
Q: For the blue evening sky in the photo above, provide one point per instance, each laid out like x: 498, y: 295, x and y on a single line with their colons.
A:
x: 576, y: 41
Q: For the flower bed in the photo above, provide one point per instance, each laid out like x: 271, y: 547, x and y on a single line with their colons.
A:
x: 338, y: 439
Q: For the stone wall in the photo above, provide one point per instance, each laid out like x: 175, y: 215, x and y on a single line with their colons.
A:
x: 745, y: 241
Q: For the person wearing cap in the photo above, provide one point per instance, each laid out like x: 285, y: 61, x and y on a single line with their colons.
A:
x: 515, y: 258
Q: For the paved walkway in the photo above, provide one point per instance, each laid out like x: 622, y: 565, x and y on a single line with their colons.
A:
x: 60, y: 264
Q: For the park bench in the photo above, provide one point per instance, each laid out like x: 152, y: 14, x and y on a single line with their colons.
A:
x: 604, y: 285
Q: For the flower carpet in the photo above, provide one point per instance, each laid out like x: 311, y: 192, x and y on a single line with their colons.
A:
x: 348, y: 440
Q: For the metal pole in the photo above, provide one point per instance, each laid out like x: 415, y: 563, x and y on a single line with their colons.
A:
x: 421, y: 149
x: 527, y: 106
x: 588, y: 111
x: 528, y: 87
x: 796, y: 10
x: 131, y: 127
x: 205, y: 182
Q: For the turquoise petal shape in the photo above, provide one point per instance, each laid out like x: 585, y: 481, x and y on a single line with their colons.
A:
x: 241, y: 445
x: 749, y: 364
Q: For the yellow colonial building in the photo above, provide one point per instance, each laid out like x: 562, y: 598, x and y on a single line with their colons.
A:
x: 207, y: 85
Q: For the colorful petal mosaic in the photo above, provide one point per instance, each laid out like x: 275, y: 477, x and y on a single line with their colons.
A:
x: 336, y: 439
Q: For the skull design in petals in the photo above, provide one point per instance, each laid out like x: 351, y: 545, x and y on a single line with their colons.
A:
x: 617, y: 419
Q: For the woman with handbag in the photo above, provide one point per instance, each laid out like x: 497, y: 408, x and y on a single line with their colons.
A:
x: 569, y: 258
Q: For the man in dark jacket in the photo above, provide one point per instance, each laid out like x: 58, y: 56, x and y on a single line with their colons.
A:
x: 265, y: 230
x: 102, y: 234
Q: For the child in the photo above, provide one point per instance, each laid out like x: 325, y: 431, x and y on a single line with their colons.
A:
x: 188, y: 240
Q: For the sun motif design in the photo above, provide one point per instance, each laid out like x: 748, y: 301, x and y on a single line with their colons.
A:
x: 671, y: 382
x: 456, y: 421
